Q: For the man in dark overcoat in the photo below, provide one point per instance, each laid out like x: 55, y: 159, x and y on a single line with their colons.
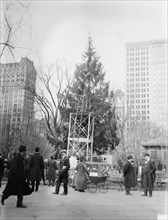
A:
x: 128, y: 173
x: 36, y: 167
x: 1, y: 168
x: 148, y: 175
x: 16, y: 184
x: 135, y: 174
x: 63, y: 174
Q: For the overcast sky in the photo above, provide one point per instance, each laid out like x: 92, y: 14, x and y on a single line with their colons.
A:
x: 60, y: 30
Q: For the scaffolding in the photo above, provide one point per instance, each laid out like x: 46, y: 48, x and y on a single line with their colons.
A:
x: 81, y: 128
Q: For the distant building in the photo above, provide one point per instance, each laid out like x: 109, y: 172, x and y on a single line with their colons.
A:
x: 157, y: 147
x: 119, y: 99
x: 16, y: 102
x: 147, y: 82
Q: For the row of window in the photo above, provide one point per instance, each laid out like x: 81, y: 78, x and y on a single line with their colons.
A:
x: 142, y: 106
x: 138, y: 112
x: 139, y: 101
x: 137, y: 53
x: 136, y: 58
x: 137, y: 118
x: 7, y: 74
x: 138, y: 64
x: 137, y: 69
x: 137, y: 85
x: 137, y: 90
x: 138, y: 74
x: 138, y: 96
x: 137, y: 80
x: 137, y: 48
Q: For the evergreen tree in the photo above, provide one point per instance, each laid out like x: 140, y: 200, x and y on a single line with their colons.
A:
x: 92, y: 94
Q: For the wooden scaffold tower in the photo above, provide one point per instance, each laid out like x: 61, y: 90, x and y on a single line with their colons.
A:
x: 81, y: 128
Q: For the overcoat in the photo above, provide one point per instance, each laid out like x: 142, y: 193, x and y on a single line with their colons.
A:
x: 1, y: 167
x: 149, y: 174
x: 16, y: 184
x: 64, y: 168
x: 128, y: 173
x: 36, y: 167
x: 51, y: 169
x: 135, y: 174
x: 81, y: 177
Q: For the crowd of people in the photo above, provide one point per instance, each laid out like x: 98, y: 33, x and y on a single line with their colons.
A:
x: 26, y: 172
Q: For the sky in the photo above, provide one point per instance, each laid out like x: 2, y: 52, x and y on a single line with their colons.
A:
x: 60, y: 31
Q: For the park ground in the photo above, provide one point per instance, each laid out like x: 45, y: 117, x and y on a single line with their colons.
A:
x: 113, y: 204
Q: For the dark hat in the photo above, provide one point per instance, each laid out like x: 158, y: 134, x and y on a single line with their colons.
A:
x: 147, y: 155
x: 129, y: 157
x: 37, y: 149
x: 22, y: 148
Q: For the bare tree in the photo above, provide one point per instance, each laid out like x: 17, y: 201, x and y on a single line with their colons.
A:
x: 15, y: 18
x: 51, y: 100
x: 7, y: 135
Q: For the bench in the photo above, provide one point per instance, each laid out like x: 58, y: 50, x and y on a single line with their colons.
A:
x: 161, y: 179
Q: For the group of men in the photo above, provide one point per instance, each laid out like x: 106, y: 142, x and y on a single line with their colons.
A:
x: 17, y: 184
x: 148, y: 176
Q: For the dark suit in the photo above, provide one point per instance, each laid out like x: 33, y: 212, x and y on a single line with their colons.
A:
x: 63, y: 175
x: 129, y: 179
x: 36, y: 168
x: 149, y: 177
x: 1, y: 169
x: 16, y: 184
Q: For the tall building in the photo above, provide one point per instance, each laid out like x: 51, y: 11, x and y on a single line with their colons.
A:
x: 16, y: 102
x: 146, y: 82
x: 119, y: 99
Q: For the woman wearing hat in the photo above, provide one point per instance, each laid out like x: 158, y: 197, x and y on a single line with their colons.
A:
x: 81, y: 178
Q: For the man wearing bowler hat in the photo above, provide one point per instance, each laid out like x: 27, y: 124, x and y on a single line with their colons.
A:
x: 16, y: 184
x: 63, y: 174
x: 148, y: 175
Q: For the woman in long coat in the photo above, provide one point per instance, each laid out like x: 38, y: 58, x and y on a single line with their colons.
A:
x: 51, y: 171
x: 128, y: 172
x: 81, y: 177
